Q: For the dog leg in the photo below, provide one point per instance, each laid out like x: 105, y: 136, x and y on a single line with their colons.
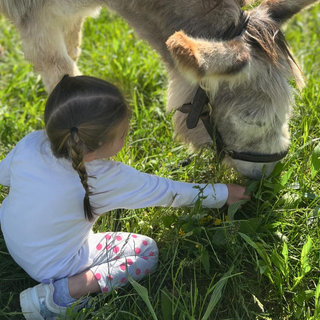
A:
x: 72, y: 36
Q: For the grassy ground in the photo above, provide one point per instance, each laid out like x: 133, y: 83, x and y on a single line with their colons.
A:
x: 260, y: 263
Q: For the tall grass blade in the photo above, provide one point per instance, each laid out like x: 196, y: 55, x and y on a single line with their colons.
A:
x: 316, y: 299
x: 305, y: 266
x: 217, y: 293
x: 166, y: 304
x: 254, y: 245
x: 233, y: 208
x: 315, y: 161
x: 143, y: 293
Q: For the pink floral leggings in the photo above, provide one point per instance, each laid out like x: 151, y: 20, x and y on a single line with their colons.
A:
x: 119, y: 254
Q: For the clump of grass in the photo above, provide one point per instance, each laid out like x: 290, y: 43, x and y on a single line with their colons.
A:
x: 259, y: 262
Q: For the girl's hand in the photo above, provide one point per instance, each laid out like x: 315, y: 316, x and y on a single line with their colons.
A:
x: 236, y: 193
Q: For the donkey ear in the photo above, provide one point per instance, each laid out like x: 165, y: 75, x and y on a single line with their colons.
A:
x: 185, y: 53
x: 282, y: 10
x: 199, y: 58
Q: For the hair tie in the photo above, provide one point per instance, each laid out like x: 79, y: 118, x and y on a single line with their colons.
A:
x: 74, y: 129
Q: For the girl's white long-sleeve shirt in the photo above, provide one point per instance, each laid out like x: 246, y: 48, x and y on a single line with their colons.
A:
x: 42, y: 218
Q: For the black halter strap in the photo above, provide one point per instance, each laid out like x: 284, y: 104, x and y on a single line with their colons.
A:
x: 194, y: 109
x: 195, y: 112
x: 256, y: 157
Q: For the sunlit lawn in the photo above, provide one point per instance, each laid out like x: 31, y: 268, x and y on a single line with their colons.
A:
x: 260, y: 263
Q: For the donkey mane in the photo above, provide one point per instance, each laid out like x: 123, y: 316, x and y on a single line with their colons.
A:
x: 264, y: 34
x: 267, y: 35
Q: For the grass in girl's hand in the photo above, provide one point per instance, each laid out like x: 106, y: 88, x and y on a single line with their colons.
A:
x: 261, y: 262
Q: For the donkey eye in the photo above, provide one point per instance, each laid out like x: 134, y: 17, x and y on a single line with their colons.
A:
x: 206, y: 112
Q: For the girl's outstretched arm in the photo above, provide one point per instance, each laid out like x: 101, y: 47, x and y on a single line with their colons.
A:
x: 119, y: 186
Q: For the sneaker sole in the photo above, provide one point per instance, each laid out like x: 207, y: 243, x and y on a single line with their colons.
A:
x: 29, y: 308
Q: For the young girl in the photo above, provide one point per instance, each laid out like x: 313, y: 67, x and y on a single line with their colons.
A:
x: 60, y: 184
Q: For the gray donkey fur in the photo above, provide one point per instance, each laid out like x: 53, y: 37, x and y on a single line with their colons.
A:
x: 246, y: 78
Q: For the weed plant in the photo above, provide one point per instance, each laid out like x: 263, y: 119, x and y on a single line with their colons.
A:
x: 260, y: 261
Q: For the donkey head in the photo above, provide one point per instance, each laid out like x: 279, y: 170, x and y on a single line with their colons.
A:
x: 245, y: 80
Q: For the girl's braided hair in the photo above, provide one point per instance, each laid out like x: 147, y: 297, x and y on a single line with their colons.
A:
x: 81, y: 115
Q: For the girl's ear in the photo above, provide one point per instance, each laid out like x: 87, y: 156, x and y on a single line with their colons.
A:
x: 90, y: 156
x: 198, y: 58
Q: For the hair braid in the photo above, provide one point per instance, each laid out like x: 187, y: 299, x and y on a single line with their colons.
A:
x: 81, y: 115
x: 77, y: 150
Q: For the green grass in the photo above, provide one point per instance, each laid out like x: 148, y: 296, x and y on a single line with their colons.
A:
x: 262, y: 263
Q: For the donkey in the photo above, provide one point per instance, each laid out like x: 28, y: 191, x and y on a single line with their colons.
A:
x: 228, y: 69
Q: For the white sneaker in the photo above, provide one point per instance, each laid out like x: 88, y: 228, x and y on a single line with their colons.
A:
x: 37, y: 303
